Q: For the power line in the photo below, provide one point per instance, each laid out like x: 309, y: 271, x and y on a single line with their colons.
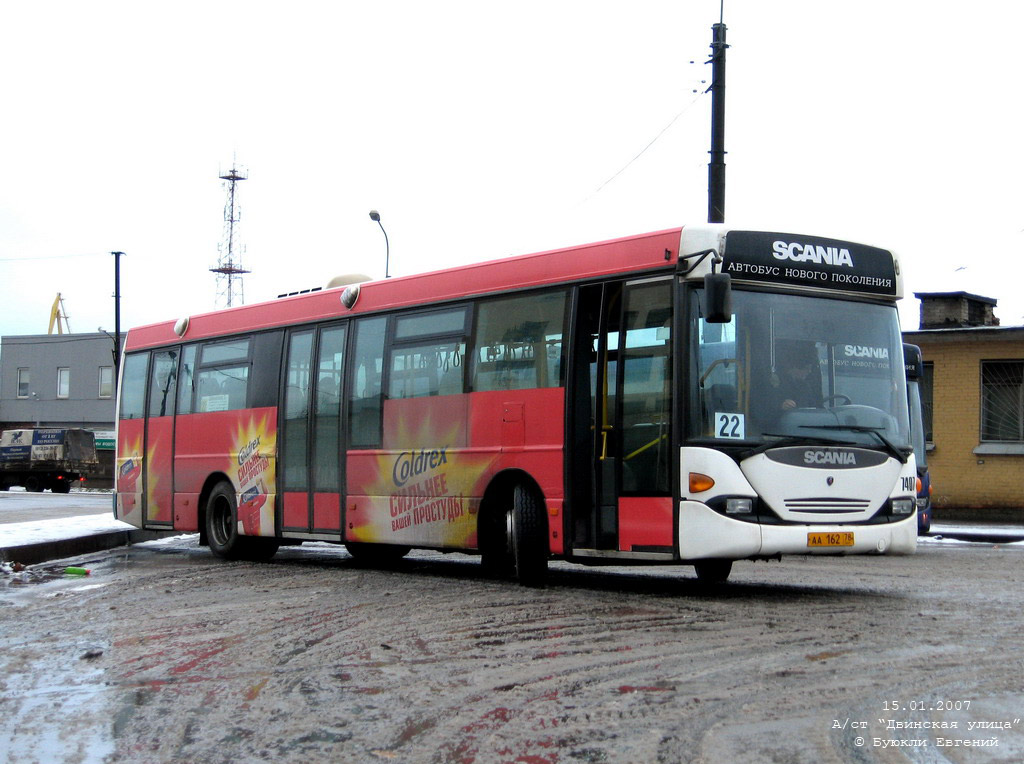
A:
x: 645, y: 148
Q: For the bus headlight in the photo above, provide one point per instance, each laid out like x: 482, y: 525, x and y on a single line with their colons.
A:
x: 739, y: 506
x: 743, y: 508
x: 903, y: 506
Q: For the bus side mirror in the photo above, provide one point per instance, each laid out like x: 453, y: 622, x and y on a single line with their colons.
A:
x: 718, y: 298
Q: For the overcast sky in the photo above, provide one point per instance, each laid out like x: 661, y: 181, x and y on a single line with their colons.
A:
x: 487, y: 129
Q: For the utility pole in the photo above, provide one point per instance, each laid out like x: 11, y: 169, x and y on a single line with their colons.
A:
x: 716, y: 168
x: 117, y: 315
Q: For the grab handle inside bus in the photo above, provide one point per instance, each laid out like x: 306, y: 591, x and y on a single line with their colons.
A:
x: 718, y: 298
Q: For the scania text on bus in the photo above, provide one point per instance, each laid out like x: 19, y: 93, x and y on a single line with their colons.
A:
x: 692, y: 396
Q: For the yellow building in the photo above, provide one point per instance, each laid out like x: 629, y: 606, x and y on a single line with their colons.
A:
x: 973, y: 395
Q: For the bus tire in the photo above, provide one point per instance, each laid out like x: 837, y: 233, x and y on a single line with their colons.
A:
x: 222, y: 523
x: 526, y: 533
x: 495, y: 554
x: 222, y: 529
x: 259, y: 549
x: 713, y: 571
x: 376, y: 553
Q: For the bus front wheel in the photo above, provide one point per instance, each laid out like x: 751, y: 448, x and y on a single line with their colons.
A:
x: 713, y: 571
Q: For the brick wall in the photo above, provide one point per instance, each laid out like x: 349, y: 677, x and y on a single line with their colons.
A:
x: 961, y: 478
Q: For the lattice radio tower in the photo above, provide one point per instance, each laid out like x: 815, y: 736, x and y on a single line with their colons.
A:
x: 229, y: 268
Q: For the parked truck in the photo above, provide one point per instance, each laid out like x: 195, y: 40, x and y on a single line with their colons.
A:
x: 46, y: 458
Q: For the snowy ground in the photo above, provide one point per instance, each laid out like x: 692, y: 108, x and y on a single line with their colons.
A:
x: 166, y: 654
x: 57, y: 529
x: 32, y: 518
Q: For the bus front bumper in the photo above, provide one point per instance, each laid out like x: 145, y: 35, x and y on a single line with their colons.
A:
x: 706, y: 534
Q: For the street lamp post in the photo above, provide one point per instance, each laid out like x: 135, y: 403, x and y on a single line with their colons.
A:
x: 113, y: 351
x: 375, y: 216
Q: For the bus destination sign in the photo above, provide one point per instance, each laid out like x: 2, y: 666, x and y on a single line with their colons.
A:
x: 788, y: 258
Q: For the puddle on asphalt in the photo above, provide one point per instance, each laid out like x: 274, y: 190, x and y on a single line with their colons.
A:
x: 14, y: 576
x: 51, y: 579
x: 56, y: 579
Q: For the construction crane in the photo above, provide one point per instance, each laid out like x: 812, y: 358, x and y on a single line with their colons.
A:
x: 59, y: 316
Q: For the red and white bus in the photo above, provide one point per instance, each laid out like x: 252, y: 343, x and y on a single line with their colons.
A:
x: 624, y: 402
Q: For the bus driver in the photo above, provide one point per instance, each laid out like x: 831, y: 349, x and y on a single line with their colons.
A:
x: 797, y: 380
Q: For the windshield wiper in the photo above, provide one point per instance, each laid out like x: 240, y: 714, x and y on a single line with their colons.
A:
x: 792, y: 440
x: 902, y: 454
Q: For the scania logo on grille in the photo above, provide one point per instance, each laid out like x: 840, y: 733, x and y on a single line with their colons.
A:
x: 821, y: 456
x: 826, y: 457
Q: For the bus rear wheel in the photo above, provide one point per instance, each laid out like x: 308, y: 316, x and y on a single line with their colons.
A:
x: 222, y: 529
x: 713, y: 571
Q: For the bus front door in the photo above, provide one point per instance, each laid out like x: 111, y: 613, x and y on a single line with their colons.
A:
x: 158, y: 478
x: 621, y: 417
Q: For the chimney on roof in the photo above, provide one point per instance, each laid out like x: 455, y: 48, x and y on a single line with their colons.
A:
x: 956, y: 310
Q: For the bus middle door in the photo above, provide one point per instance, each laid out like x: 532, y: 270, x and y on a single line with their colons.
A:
x: 311, y: 448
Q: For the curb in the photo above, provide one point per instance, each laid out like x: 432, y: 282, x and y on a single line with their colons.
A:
x: 43, y: 551
x: 1005, y: 537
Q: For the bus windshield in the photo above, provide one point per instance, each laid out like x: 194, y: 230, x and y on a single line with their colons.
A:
x: 796, y: 368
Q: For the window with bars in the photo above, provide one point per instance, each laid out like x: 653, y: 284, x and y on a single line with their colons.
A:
x: 1002, y: 401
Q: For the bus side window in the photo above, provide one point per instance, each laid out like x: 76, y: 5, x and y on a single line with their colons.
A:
x: 427, y: 353
x: 163, y: 389
x: 425, y: 370
x: 326, y: 440
x: 187, y: 379
x: 264, y: 376
x: 223, y: 389
x: 133, y: 386
x: 296, y: 402
x: 234, y: 385
x: 366, y: 401
x: 519, y: 343
x: 221, y: 378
